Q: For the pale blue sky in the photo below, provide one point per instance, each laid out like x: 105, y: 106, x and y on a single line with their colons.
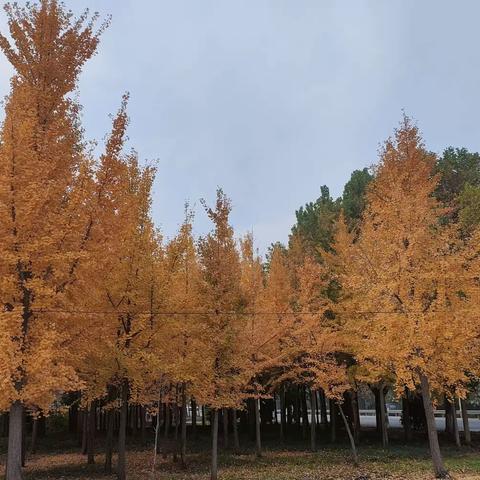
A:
x: 271, y: 98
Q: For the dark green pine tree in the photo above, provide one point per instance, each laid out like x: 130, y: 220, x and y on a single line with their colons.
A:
x: 353, y: 200
x: 316, y: 222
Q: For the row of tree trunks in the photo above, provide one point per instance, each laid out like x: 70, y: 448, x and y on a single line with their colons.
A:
x: 349, y: 414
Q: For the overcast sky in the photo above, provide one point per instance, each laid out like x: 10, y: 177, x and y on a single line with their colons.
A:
x: 270, y: 99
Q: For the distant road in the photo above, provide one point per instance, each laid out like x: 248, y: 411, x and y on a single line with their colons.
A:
x: 394, y: 422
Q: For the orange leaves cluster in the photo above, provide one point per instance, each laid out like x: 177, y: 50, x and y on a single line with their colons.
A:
x: 43, y: 171
x: 405, y: 292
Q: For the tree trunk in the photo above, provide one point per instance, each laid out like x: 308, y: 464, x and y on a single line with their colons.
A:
x: 236, y: 440
x: 166, y: 429
x: 466, y: 426
x: 378, y: 420
x: 356, y: 416
x: 350, y: 436
x: 448, y: 418
x: 225, y: 427
x: 383, y: 418
x: 176, y: 414
x: 33, y: 446
x: 438, y: 467
x: 156, y: 447
x: 91, y: 433
x: 157, y: 430
x: 73, y: 415
x: 333, y: 422
x: 134, y: 420
x: 313, y: 423
x: 203, y: 416
x: 323, y: 408
x: 258, y: 440
x: 214, y: 471
x: 122, y: 434
x: 283, y: 417
x: 143, y: 425
x: 297, y: 412
x: 167, y: 420
x: 84, y: 431
x: 407, y: 421
x: 24, y: 438
x: 14, y: 456
x: 456, y: 433
x: 183, y: 449
x: 109, y: 442
x: 193, y: 404
x: 303, y: 393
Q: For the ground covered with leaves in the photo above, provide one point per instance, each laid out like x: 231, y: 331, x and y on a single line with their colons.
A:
x: 59, y: 459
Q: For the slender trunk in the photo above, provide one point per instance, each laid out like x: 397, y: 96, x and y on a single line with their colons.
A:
x: 456, y: 433
x: 166, y: 430
x: 84, y: 431
x: 236, y: 441
x: 283, y: 418
x: 14, y: 456
x: 466, y: 426
x: 304, y: 412
x: 194, y: 417
x: 297, y: 412
x: 33, y: 446
x: 176, y: 414
x: 313, y: 423
x: 109, y: 442
x: 143, y: 425
x: 448, y: 418
x: 383, y: 419
x: 356, y: 416
x: 438, y: 467
x: 214, y: 471
x: 203, y: 416
x: 258, y: 440
x: 378, y: 420
x: 251, y: 417
x: 183, y: 449
x: 157, y: 433
x: 73, y: 416
x: 91, y: 433
x: 225, y: 427
x: 122, y: 434
x: 134, y: 420
x: 24, y: 438
x: 323, y: 408
x: 406, y: 417
x: 333, y: 421
x: 159, y: 419
x: 350, y: 436
x: 275, y: 412
x: 167, y: 420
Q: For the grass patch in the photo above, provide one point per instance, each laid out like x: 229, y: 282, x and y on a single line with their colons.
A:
x: 59, y: 459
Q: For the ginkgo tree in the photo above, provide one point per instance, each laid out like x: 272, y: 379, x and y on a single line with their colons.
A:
x: 41, y: 158
x: 221, y: 299
x: 402, y: 281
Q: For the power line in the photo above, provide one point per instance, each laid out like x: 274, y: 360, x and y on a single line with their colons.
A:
x: 249, y: 314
